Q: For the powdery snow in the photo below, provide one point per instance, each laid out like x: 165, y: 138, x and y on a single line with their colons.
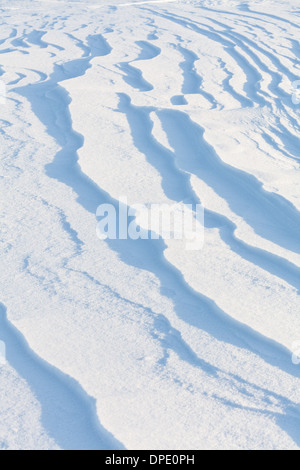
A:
x: 124, y: 344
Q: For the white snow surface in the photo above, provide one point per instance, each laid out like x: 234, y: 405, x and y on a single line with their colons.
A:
x: 144, y: 345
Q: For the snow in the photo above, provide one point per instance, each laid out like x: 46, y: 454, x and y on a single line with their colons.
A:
x: 124, y: 344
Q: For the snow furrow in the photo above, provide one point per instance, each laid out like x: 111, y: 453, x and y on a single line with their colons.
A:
x: 68, y: 413
x: 179, y: 103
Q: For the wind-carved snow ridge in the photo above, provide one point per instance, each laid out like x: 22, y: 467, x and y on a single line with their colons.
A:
x: 65, y: 169
x: 68, y: 413
x: 175, y: 181
x: 133, y: 76
x: 173, y: 103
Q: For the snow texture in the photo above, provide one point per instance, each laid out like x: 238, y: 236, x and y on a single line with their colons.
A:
x: 124, y: 344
